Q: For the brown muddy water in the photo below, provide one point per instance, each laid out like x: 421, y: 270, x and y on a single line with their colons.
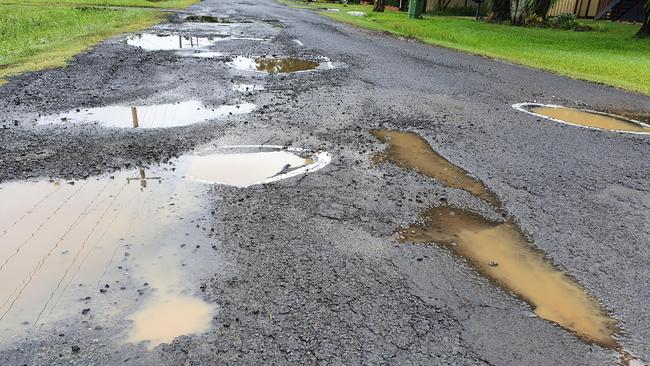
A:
x: 150, y: 116
x: 502, y: 253
x: 410, y: 151
x: 102, y: 238
x: 499, y: 251
x: 585, y: 118
x: 272, y: 65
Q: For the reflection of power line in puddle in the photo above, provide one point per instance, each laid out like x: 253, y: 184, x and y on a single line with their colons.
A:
x: 28, y: 279
x: 82, y: 247
x: 132, y: 221
x: 39, y: 227
x: 29, y: 211
x: 143, y: 179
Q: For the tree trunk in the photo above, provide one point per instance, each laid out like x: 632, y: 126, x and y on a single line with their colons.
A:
x: 517, y: 13
x: 645, y: 28
x: 379, y: 6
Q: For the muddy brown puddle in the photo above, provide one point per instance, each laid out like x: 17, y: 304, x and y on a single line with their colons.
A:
x: 499, y: 251
x: 102, y: 238
x: 150, y: 116
x: 273, y: 65
x: 410, y: 151
x: 585, y: 118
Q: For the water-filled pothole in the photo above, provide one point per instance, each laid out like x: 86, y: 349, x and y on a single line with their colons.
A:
x: 410, y: 151
x: 207, y: 19
x: 152, y: 116
x: 175, y: 42
x: 501, y: 252
x: 102, y: 238
x: 584, y: 118
x: 498, y: 250
x: 243, y: 166
x: 274, y: 65
x: 169, y: 42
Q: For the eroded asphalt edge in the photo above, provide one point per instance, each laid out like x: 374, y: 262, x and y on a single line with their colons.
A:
x: 314, y: 275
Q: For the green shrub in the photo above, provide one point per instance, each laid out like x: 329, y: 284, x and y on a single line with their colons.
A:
x: 566, y: 21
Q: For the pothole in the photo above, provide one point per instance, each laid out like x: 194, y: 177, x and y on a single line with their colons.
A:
x: 584, y: 118
x: 175, y: 42
x: 207, y: 19
x: 243, y: 166
x: 152, y: 116
x: 169, y: 42
x: 410, y: 151
x: 499, y: 251
x: 131, y: 245
x: 274, y: 65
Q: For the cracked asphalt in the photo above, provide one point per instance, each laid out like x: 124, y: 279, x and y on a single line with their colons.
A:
x: 311, y: 271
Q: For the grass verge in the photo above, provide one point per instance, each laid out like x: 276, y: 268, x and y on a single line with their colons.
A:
x: 610, y: 55
x: 34, y: 38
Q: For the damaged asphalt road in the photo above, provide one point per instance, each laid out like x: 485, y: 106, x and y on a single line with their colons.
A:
x: 308, y: 269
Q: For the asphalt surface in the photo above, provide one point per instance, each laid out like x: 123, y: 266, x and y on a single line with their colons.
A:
x: 312, y: 272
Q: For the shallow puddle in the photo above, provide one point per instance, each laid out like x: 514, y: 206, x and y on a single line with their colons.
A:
x: 585, y: 118
x: 153, y: 116
x: 206, y: 19
x: 170, y: 311
x: 501, y: 252
x: 244, y: 166
x: 102, y: 238
x: 168, y: 42
x: 277, y: 65
x: 410, y: 151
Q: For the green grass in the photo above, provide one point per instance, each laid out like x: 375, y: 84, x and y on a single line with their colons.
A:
x: 132, y: 3
x: 34, y: 38
x: 610, y: 55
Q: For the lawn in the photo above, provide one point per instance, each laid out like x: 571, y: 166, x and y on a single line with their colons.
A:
x: 129, y: 3
x: 33, y: 38
x: 609, y: 55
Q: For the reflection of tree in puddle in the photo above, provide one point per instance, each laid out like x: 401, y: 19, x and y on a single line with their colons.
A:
x: 285, y: 65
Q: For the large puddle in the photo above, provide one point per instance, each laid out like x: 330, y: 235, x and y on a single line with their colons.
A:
x: 102, y: 238
x: 273, y: 65
x: 410, y: 151
x: 501, y: 252
x: 584, y: 118
x: 169, y: 42
x: 152, y: 116
x: 177, y: 42
x: 243, y: 166
x: 498, y: 250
